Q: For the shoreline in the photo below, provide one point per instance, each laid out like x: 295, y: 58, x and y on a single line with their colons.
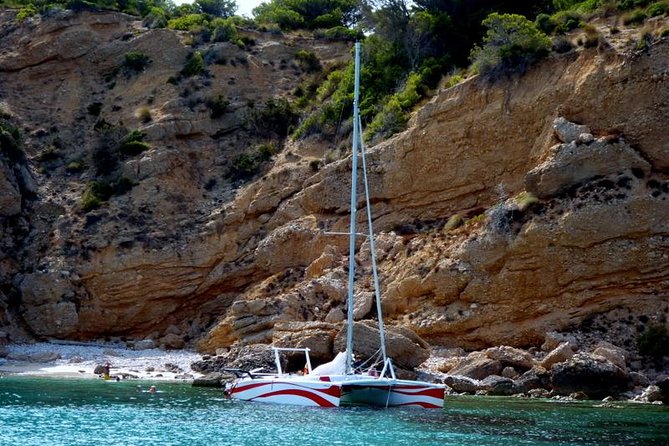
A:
x: 80, y: 360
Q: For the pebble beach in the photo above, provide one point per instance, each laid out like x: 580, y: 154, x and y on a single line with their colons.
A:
x: 79, y: 360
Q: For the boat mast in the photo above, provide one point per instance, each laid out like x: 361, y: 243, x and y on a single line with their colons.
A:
x: 354, y: 193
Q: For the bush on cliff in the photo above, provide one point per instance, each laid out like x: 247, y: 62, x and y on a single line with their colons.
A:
x: 654, y: 342
x: 10, y: 141
x: 194, y: 65
x: 511, y: 45
x: 136, y: 61
x: 133, y: 144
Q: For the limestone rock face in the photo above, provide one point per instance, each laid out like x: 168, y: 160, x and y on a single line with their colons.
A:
x: 559, y: 223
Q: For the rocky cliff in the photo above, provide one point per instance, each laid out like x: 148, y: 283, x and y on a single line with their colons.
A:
x: 507, y: 210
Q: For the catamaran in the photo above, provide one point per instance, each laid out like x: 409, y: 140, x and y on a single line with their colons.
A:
x: 339, y: 382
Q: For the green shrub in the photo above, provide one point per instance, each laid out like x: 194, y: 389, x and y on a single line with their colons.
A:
x: 454, y: 222
x: 95, y: 194
x: 133, y: 148
x: 123, y: 185
x: 511, y: 44
x: 50, y: 154
x: 277, y: 117
x: 565, y: 21
x: 244, y: 166
x: 546, y: 23
x: 224, y: 31
x: 592, y: 36
x: 308, y: 61
x: 389, y: 121
x: 194, y: 65
x: 133, y: 144
x: 75, y: 166
x: 25, y: 12
x: 143, y: 114
x: 340, y: 33
x: 155, y: 18
x: 136, y: 61
x: 10, y: 141
x: 631, y: 4
x: 654, y: 342
x: 561, y: 44
x: 657, y: 9
x: 218, y: 106
x: 188, y: 22
x: 634, y: 18
x: 266, y: 151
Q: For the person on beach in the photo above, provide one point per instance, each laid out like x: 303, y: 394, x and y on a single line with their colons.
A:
x: 105, y: 371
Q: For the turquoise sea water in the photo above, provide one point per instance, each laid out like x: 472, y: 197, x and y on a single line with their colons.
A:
x: 54, y: 412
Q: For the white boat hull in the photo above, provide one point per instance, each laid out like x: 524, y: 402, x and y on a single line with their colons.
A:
x: 287, y: 390
x: 339, y: 390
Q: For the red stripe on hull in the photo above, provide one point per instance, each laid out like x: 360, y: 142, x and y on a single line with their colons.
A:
x: 431, y: 392
x: 322, y: 402
x: 331, y: 391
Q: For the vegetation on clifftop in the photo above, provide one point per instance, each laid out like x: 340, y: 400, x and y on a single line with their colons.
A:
x: 409, y: 46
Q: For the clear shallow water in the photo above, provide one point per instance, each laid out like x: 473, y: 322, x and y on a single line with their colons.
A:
x: 90, y: 412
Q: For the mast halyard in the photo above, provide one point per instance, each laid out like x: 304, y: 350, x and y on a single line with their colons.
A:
x: 354, y: 192
x: 372, y: 248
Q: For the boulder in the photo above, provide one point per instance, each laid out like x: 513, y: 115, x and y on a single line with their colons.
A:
x: 462, y: 384
x: 553, y: 339
x: 663, y: 385
x: 650, y: 394
x: 538, y: 393
x: 595, y: 376
x: 317, y: 336
x: 477, y: 366
x: 214, y: 379
x: 246, y: 357
x: 510, y: 356
x: 406, y: 349
x: 362, y: 305
x: 498, y: 385
x: 567, y: 131
x: 509, y: 372
x: 172, y: 341
x: 535, y: 378
x: 613, y: 353
x: 335, y: 315
x: 639, y: 379
x: 144, y: 344
x: 561, y: 353
x: 572, y: 164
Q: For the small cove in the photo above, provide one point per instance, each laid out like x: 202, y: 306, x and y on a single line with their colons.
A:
x: 50, y: 411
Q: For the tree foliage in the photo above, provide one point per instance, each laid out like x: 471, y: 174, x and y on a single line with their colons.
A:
x: 218, y: 8
x: 308, y: 14
x: 511, y: 45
